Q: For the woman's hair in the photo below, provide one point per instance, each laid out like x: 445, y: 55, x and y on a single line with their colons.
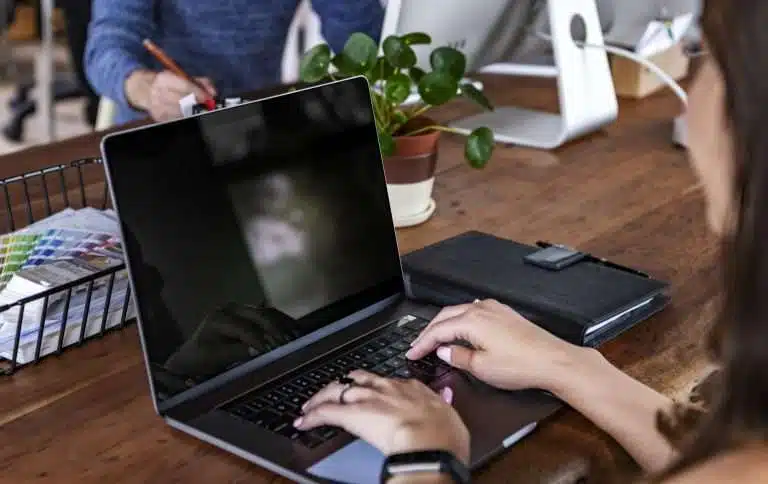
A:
x: 736, y: 32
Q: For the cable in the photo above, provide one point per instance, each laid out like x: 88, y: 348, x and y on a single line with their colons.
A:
x: 676, y: 88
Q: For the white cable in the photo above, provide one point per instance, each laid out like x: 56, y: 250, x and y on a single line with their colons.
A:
x: 666, y: 78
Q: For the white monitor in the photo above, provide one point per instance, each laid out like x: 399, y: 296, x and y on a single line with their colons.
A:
x: 490, y: 32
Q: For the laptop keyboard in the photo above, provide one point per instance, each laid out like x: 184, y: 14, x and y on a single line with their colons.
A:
x: 277, y: 405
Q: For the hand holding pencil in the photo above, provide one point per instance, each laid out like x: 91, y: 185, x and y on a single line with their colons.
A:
x: 159, y: 93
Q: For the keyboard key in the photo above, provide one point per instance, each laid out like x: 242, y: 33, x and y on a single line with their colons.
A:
x: 377, y: 358
x: 403, y: 372
x: 383, y: 370
x: 296, y: 400
x: 241, y: 411
x: 290, y: 432
x: 256, y: 404
x: 284, y: 407
x: 302, y: 382
x: 288, y: 390
x: 333, y: 371
x: 325, y: 433
x: 388, y: 352
x: 273, y: 397
x: 401, y: 345
x: 367, y: 365
x: 344, y: 362
x: 397, y: 363
x: 357, y: 356
x: 369, y: 349
x: 418, y: 324
x: 317, y: 376
x: 309, y: 440
x: 280, y: 424
x: 380, y: 343
x: 264, y: 417
x: 421, y: 367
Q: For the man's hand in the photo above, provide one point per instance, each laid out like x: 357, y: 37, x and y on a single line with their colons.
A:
x: 159, y: 93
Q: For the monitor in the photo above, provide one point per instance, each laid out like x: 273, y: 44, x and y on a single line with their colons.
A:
x: 251, y: 230
x: 502, y: 34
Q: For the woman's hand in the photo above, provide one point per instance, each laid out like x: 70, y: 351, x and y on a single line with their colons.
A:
x: 392, y: 415
x: 508, y: 351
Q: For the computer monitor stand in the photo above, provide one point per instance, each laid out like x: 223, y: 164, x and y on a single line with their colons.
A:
x: 585, y: 87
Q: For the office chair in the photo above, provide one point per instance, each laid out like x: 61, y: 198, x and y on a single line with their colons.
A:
x: 77, y: 15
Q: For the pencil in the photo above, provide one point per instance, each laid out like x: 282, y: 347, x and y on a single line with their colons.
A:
x: 172, y: 66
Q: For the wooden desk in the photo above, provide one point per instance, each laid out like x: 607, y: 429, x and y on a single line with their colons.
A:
x: 624, y: 193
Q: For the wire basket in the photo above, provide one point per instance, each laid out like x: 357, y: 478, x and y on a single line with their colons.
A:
x: 28, y: 198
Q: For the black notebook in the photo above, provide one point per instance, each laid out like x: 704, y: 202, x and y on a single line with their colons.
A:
x: 586, y: 303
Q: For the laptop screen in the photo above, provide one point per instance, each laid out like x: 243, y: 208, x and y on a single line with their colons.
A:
x: 248, y: 228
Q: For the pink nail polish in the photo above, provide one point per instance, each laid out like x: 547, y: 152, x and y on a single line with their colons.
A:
x: 444, y: 353
x: 447, y: 394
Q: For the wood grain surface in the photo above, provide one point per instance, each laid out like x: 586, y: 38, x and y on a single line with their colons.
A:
x: 625, y: 193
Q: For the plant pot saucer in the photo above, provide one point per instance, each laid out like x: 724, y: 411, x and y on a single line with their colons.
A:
x: 417, y: 219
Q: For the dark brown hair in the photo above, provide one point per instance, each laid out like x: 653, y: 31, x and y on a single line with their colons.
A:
x: 736, y: 33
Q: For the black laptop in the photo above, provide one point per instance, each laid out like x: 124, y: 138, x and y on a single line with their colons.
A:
x: 264, y: 264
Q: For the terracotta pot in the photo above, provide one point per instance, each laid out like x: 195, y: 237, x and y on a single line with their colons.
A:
x: 410, y: 175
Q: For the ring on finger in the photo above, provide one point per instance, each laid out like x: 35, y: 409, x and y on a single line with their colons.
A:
x: 346, y: 383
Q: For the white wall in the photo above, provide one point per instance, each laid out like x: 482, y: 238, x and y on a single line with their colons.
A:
x: 627, y: 13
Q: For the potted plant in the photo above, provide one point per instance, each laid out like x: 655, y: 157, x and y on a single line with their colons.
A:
x: 408, y: 138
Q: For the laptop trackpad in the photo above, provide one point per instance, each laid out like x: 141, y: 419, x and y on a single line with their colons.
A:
x: 355, y: 463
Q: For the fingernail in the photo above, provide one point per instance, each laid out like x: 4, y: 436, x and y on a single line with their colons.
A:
x: 444, y: 353
x: 297, y: 423
x: 409, y: 354
x: 304, y: 406
x: 447, y: 395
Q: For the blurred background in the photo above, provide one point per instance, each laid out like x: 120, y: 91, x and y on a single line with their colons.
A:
x: 25, y: 60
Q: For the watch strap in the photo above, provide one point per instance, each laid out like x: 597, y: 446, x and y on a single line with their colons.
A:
x: 422, y: 461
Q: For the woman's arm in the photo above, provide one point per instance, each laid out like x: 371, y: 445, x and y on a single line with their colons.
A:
x: 617, y: 403
x: 511, y: 353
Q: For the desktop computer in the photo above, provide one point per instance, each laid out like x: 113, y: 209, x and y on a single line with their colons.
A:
x: 490, y: 32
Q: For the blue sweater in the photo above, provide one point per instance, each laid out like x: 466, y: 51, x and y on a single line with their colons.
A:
x: 238, y: 44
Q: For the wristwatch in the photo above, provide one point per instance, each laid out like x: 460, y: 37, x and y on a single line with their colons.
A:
x: 425, y: 461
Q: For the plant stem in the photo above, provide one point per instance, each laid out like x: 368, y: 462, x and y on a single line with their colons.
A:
x: 377, y: 110
x: 436, y: 127
x: 421, y: 110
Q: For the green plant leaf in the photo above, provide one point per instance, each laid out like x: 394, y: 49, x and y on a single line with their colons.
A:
x: 381, y: 70
x: 386, y: 144
x: 416, y: 38
x: 473, y: 94
x: 314, y: 64
x: 450, y: 61
x: 437, y: 88
x: 398, y: 53
x: 416, y: 74
x: 397, y: 88
x: 479, y: 147
x: 358, y: 55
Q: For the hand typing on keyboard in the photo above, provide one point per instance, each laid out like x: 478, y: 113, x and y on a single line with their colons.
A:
x: 275, y: 407
x: 394, y: 415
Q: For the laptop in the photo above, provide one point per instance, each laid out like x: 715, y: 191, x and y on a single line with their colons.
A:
x: 264, y: 264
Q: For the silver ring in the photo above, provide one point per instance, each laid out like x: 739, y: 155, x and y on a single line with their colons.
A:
x: 348, y: 383
x: 476, y: 301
